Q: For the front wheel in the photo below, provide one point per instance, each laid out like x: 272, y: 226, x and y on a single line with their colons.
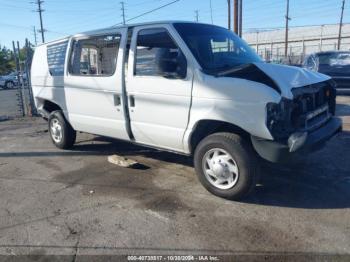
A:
x: 226, y: 165
x: 61, y: 132
x: 9, y: 85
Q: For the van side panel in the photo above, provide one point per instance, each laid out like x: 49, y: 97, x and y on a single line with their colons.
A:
x: 238, y: 101
x: 45, y: 86
x: 89, y: 102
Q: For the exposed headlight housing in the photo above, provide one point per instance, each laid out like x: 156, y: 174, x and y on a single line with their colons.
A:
x: 278, y: 119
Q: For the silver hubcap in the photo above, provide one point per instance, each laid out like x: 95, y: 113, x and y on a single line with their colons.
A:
x: 220, y: 168
x: 56, y: 130
x: 9, y: 85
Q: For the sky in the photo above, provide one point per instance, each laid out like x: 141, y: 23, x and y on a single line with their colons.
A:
x: 65, y: 17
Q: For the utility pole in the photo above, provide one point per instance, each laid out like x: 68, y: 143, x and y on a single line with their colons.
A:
x: 286, y: 36
x: 240, y: 18
x: 40, y: 10
x: 123, y: 11
x: 235, y: 16
x: 321, y: 38
x: 211, y: 12
x: 229, y: 14
x: 34, y: 32
x: 196, y: 15
x: 341, y: 24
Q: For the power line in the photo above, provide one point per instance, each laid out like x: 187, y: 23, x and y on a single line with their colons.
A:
x: 16, y: 26
x: 150, y: 11
x: 14, y: 6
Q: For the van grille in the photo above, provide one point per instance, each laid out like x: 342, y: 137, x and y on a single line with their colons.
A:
x: 313, y: 105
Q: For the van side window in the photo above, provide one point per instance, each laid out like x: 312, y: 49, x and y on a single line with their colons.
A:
x: 56, y: 56
x: 95, y: 56
x: 155, y: 49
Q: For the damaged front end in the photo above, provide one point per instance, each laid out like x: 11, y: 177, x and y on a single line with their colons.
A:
x: 304, y: 122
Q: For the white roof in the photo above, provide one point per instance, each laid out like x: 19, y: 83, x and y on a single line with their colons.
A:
x: 111, y: 28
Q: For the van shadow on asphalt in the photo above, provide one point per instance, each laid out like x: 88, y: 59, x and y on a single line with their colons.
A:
x: 343, y: 110
x: 119, y: 147
x: 321, y: 181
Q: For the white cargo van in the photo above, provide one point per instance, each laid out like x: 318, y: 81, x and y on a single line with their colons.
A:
x: 190, y: 88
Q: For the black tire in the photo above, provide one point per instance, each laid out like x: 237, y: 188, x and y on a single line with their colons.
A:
x: 9, y: 85
x: 244, y: 158
x: 67, y: 134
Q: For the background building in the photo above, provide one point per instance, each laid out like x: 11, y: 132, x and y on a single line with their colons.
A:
x: 304, y: 40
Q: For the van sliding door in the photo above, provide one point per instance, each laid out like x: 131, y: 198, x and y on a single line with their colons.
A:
x: 93, y: 84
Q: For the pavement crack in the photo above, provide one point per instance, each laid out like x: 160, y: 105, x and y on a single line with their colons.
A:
x: 76, y: 247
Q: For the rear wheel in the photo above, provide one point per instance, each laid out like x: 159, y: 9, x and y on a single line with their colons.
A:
x: 226, y: 165
x: 61, y: 132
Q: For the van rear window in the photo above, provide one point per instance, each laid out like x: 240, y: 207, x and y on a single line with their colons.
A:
x: 56, y: 55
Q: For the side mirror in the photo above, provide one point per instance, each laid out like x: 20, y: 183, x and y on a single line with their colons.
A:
x: 172, y: 64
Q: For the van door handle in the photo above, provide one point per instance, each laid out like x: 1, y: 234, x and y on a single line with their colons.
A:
x: 117, y: 100
x: 132, y: 101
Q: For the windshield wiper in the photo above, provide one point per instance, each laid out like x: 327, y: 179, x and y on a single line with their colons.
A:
x: 226, y: 70
x: 219, y: 70
x: 234, y: 69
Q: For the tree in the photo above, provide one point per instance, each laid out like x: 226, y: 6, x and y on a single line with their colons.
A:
x: 7, y: 63
x: 7, y: 60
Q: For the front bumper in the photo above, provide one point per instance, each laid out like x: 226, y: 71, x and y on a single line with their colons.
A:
x: 278, y: 152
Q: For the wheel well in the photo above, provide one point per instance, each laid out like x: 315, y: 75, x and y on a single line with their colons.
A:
x: 205, y: 128
x: 50, y: 106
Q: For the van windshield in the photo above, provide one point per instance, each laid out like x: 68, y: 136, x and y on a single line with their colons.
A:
x: 334, y: 59
x: 216, y: 48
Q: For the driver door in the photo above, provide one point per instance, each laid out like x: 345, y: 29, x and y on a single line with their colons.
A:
x: 159, y: 101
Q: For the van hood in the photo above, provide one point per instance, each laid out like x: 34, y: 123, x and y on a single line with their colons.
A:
x: 289, y: 77
x: 281, y: 78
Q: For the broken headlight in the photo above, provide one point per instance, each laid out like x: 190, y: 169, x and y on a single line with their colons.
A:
x: 278, y: 119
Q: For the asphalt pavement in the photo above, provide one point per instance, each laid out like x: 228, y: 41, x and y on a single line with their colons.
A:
x: 76, y: 203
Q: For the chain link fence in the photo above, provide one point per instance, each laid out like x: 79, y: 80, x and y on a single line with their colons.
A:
x: 296, y: 53
x: 303, y: 40
x: 16, y: 98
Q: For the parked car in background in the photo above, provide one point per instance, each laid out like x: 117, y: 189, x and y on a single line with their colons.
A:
x: 11, y: 80
x: 2, y: 81
x: 335, y: 64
